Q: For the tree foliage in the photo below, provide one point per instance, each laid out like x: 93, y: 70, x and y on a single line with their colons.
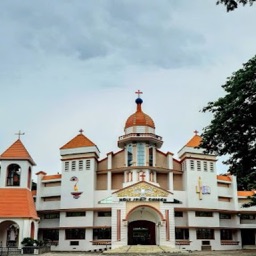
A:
x: 232, y: 131
x: 233, y: 4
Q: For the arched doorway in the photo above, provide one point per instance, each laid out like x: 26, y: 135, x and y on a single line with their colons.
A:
x: 9, y: 234
x: 141, y: 232
x: 142, y: 225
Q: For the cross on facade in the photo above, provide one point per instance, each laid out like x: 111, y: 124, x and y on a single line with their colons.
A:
x: 202, y: 189
x: 142, y: 176
x: 19, y: 133
x: 139, y: 93
x: 199, y: 188
x: 81, y: 131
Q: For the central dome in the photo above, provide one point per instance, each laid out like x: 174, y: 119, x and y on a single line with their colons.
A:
x: 139, y: 118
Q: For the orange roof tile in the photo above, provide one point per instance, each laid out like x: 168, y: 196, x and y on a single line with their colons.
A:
x: 224, y: 178
x: 17, y: 203
x: 245, y: 193
x: 17, y: 151
x: 79, y: 141
x: 139, y: 118
x: 194, y: 142
x: 52, y: 177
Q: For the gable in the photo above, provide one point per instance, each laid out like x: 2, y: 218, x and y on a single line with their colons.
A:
x: 142, y: 189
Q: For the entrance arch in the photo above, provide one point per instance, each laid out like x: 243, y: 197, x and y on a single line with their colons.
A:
x: 143, y: 221
x: 9, y: 233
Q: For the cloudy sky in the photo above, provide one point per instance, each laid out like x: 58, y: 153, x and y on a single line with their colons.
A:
x: 67, y: 65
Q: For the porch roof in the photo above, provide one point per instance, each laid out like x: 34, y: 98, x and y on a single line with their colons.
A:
x: 17, y: 203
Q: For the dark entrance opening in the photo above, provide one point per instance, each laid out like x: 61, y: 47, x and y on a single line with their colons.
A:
x: 141, y: 232
x: 248, y: 237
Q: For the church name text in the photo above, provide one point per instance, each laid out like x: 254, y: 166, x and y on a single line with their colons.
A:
x: 152, y: 199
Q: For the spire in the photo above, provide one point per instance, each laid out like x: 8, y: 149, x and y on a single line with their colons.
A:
x: 17, y: 151
x: 79, y: 141
x: 194, y: 141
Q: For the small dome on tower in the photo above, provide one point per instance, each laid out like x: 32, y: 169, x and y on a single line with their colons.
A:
x: 139, y: 118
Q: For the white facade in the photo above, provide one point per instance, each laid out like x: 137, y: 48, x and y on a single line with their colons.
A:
x: 141, y: 195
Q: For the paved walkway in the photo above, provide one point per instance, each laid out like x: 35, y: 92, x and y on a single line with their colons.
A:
x: 153, y: 251
x: 143, y: 249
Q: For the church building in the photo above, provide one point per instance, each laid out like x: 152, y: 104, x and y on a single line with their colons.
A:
x: 138, y: 195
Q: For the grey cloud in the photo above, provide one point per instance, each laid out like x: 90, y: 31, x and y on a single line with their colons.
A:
x: 137, y: 32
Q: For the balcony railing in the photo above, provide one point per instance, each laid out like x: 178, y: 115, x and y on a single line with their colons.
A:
x: 138, y: 135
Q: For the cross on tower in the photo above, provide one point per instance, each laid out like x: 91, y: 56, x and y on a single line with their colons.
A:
x: 139, y: 93
x: 19, y: 133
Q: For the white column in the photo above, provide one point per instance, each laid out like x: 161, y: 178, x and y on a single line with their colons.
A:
x: 170, y: 181
x: 110, y: 160
x: 109, y: 180
x: 169, y: 160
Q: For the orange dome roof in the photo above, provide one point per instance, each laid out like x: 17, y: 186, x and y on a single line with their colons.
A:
x: 139, y: 118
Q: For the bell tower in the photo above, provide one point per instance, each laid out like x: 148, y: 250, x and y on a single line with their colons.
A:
x: 18, y: 216
x: 16, y: 166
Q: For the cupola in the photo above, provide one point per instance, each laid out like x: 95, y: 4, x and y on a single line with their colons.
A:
x: 139, y: 118
x: 139, y: 127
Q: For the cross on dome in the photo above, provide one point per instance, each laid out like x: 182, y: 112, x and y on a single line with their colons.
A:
x: 139, y: 93
x: 19, y: 133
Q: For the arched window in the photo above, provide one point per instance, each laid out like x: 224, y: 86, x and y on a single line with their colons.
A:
x: 32, y: 230
x: 29, y: 178
x: 13, y: 175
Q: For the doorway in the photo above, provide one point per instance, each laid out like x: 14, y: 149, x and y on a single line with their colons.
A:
x: 142, y: 232
x: 248, y: 237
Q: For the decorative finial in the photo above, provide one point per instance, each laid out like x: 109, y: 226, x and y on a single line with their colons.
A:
x: 195, y: 132
x: 81, y: 131
x: 19, y: 133
x: 139, y: 93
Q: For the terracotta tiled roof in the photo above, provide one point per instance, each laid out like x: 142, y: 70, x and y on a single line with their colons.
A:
x: 245, y: 193
x: 52, y: 177
x: 17, y: 151
x: 224, y: 178
x: 79, y: 141
x: 194, y: 142
x: 17, y: 203
x: 139, y: 118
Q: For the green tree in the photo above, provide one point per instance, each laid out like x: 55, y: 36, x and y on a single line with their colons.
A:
x: 233, y: 4
x: 232, y: 131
